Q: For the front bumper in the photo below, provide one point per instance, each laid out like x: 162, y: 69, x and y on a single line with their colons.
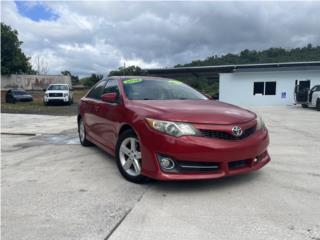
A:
x: 231, y: 157
x: 56, y: 99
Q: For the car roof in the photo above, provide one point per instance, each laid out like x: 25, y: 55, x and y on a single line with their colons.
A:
x: 137, y: 77
x: 16, y: 89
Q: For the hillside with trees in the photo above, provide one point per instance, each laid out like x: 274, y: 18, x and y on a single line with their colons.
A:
x: 271, y: 55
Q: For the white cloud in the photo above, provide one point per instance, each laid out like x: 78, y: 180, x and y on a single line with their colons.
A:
x: 92, y: 37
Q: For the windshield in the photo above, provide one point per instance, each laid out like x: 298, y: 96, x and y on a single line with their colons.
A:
x: 58, y: 87
x: 140, y: 89
x: 19, y: 92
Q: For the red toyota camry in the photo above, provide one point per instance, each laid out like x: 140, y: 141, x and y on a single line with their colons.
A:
x: 163, y: 129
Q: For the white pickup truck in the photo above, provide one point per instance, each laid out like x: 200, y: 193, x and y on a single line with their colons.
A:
x: 58, y: 93
x: 308, y: 97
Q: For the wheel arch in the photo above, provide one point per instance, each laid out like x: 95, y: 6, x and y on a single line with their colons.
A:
x: 126, y: 126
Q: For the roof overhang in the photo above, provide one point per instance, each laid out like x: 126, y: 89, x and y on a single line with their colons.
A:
x: 214, y: 70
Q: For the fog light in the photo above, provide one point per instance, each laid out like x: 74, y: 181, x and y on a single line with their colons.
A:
x: 166, y: 163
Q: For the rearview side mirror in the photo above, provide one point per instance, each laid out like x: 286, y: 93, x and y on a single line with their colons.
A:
x: 109, y: 97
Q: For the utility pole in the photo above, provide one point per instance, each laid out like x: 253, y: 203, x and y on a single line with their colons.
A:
x: 124, y: 68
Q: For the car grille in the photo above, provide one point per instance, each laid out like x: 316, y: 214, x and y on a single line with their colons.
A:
x: 226, y: 136
x: 55, y: 95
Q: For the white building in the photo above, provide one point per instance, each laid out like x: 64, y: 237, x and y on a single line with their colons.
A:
x: 264, y: 88
x: 254, y: 84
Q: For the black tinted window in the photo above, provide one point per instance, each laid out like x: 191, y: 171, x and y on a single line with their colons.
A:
x: 258, y: 88
x: 97, y: 90
x: 19, y: 92
x: 270, y: 88
x: 58, y: 87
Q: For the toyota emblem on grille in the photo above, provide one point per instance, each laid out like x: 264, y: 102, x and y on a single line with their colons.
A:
x: 237, y: 131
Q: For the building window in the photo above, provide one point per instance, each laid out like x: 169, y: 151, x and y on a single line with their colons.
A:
x: 264, y: 88
x: 270, y: 88
x: 258, y: 88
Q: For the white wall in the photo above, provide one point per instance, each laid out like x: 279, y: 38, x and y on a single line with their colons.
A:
x: 237, y: 88
x: 32, y: 82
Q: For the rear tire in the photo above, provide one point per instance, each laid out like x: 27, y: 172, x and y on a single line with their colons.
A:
x: 318, y: 104
x: 304, y: 105
x: 82, y: 134
x: 129, y: 158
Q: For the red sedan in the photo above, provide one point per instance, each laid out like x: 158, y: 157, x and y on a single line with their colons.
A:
x: 163, y: 129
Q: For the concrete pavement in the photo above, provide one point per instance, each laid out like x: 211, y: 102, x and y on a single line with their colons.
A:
x: 52, y: 188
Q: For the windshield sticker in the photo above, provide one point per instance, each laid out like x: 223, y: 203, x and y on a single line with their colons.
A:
x: 175, y: 82
x: 132, y: 81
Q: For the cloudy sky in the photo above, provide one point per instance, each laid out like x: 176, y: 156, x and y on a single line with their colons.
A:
x: 87, y: 37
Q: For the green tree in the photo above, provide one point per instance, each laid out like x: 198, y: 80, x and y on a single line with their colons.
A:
x: 13, y: 60
x: 90, y: 81
x: 128, y: 71
x: 74, y: 78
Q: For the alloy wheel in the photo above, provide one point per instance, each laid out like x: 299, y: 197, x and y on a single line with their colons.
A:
x: 130, y: 156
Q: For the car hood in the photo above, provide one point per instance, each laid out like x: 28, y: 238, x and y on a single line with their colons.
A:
x: 192, y: 111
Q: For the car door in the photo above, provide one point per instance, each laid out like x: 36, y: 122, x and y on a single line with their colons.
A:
x: 90, y: 107
x: 110, y: 115
x: 313, y: 95
x: 70, y: 92
x: 9, y: 96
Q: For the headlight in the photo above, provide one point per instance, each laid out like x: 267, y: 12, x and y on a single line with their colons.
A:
x: 176, y: 129
x: 65, y: 94
x: 260, y: 123
x: 46, y: 94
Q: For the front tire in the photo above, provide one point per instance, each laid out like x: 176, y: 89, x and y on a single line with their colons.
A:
x: 82, y: 134
x: 318, y: 104
x: 128, y: 156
